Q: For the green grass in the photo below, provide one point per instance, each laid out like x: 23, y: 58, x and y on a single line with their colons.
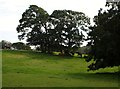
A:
x: 32, y: 69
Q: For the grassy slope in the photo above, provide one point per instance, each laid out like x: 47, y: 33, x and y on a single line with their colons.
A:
x: 31, y: 69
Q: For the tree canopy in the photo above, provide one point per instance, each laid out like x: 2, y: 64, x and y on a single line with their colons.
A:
x: 5, y: 44
x: 20, y: 46
x: 61, y: 31
x: 105, y: 36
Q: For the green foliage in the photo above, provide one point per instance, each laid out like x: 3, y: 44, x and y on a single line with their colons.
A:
x: 68, y: 27
x: 105, y: 36
x: 33, y: 19
x: 5, y: 44
x: 20, y: 46
x: 61, y: 31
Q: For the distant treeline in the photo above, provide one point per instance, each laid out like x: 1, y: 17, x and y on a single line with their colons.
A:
x: 14, y: 46
x: 22, y: 46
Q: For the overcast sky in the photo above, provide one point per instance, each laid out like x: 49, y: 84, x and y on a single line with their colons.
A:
x: 11, y: 11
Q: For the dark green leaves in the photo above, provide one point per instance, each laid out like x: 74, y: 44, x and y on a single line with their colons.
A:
x: 105, y: 37
x: 59, y: 31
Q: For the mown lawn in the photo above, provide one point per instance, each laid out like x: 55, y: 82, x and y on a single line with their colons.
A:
x: 32, y: 69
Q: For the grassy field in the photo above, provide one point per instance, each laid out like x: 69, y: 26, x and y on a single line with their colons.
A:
x: 32, y: 69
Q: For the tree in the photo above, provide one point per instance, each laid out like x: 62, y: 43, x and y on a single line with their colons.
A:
x: 5, y: 44
x: 20, y: 46
x: 67, y: 29
x: 33, y: 25
x: 60, y: 31
x: 104, y: 36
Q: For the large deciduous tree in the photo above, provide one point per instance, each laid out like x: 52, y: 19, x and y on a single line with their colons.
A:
x: 68, y: 26
x: 105, y: 38
x: 60, y: 31
x: 33, y: 26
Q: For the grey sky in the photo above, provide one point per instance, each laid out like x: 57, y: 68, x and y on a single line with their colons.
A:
x: 11, y: 11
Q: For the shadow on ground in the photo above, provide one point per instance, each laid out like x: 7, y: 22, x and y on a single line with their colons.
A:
x: 105, y: 76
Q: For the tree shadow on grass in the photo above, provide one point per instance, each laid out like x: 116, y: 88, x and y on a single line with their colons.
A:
x: 42, y: 56
x: 105, y: 76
